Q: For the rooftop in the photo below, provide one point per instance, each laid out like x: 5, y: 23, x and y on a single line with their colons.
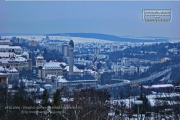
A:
x: 52, y: 65
x: 10, y: 70
x: 48, y: 76
x: 39, y: 57
x: 5, y: 40
x: 3, y: 74
x: 7, y: 54
x: 75, y: 69
x: 15, y: 59
x: 159, y: 86
x: 76, y: 78
x: 7, y: 46
x: 79, y: 77
x: 25, y: 53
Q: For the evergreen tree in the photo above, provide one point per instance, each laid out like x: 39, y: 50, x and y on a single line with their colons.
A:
x: 45, y: 97
x: 56, y: 103
x: 56, y: 98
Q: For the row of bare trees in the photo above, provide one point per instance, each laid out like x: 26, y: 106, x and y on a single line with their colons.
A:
x: 155, y: 106
x: 88, y: 104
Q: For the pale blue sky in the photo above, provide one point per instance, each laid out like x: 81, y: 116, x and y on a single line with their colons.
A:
x: 115, y: 18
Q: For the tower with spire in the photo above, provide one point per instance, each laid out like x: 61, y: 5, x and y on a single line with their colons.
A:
x: 71, y: 56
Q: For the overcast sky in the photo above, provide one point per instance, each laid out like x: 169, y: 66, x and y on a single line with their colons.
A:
x: 115, y: 18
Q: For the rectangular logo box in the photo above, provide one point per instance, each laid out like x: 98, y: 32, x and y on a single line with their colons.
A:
x: 157, y: 15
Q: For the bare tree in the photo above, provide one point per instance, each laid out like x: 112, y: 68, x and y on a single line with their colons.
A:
x: 88, y: 104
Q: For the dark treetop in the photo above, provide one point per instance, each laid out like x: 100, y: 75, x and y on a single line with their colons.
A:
x: 71, y: 43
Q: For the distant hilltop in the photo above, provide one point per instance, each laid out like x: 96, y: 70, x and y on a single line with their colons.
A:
x: 112, y: 37
x: 98, y: 36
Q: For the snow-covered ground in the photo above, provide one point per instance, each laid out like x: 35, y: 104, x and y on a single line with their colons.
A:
x: 79, y: 39
x: 174, y: 40
x: 152, y: 99
x: 35, y: 38
x: 65, y: 38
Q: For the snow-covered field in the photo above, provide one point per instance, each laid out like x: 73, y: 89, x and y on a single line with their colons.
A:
x: 152, y: 99
x: 174, y: 40
x: 65, y: 38
x: 78, y: 39
x: 35, y: 38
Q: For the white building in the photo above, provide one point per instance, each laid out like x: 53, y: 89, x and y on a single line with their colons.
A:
x: 39, y: 60
x: 76, y: 71
x: 125, y: 62
x: 65, y: 49
x: 10, y: 59
x: 5, y: 42
x: 143, y: 69
x: 7, y: 48
x: 81, y: 61
x: 52, y: 68
x: 129, y: 70
x: 25, y: 54
x: 13, y: 74
x: 62, y: 82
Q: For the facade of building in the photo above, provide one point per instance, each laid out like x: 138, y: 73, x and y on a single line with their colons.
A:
x: 13, y: 74
x: 143, y: 69
x: 55, y: 47
x: 159, y: 88
x: 76, y: 71
x: 7, y: 48
x: 164, y: 59
x: 129, y: 70
x: 96, y: 50
x: 65, y: 49
x: 125, y: 62
x: 55, y: 68
x: 39, y: 60
x: 32, y: 43
x: 11, y: 60
x: 76, y: 82
x: 52, y: 68
x: 5, y: 42
x: 3, y: 78
x: 81, y: 61
x: 3, y: 84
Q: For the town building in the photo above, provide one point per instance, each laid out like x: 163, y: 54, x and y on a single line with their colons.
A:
x: 76, y: 71
x: 76, y: 81
x: 10, y: 59
x: 13, y: 74
x: 81, y: 61
x: 65, y: 49
x: 164, y: 59
x: 55, y: 47
x: 3, y: 84
x: 52, y: 68
x: 32, y: 43
x: 5, y: 42
x: 40, y: 60
x: 3, y: 78
x: 7, y: 48
x: 57, y: 69
x: 159, y: 88
x: 125, y: 62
